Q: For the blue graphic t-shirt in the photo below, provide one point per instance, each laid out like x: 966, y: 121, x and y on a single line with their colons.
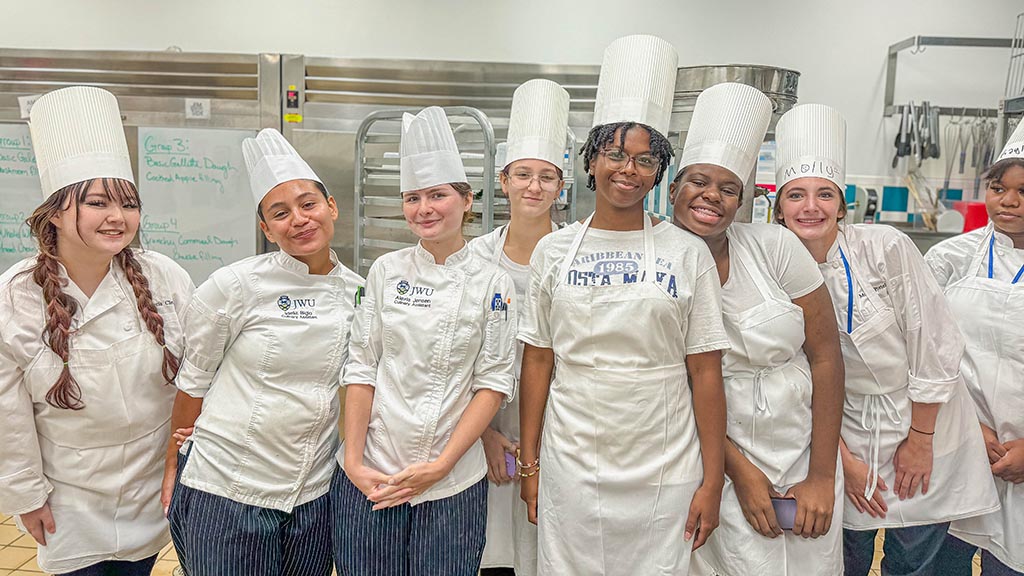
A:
x: 684, y: 267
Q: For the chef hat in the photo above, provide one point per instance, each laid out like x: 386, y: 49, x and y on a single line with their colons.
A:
x: 429, y: 154
x: 728, y: 126
x: 1015, y: 145
x: 810, y: 143
x: 271, y: 160
x: 77, y: 135
x: 538, y: 123
x: 637, y: 82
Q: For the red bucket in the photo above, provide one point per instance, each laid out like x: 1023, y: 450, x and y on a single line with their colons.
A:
x: 975, y: 214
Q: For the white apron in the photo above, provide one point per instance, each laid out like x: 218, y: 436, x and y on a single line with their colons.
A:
x: 768, y: 393
x: 507, y: 520
x: 876, y: 419
x: 991, y: 317
x: 620, y: 457
x: 105, y: 462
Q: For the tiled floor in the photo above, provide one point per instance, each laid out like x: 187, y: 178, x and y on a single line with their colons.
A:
x: 18, y: 554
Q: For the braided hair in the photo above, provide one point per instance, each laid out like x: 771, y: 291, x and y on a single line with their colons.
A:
x: 604, y: 135
x: 61, y: 308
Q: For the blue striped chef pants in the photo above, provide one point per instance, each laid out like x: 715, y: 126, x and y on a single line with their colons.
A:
x: 440, y: 537
x: 216, y: 536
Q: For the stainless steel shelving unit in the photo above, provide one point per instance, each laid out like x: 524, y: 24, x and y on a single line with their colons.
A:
x: 915, y: 44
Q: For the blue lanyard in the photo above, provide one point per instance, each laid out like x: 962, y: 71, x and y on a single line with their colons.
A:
x: 849, y: 292
x: 991, y: 244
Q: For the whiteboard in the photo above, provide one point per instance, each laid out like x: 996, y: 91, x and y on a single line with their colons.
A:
x: 196, y: 203
x: 20, y: 193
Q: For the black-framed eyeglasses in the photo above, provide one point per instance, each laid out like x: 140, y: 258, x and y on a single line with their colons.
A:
x: 617, y: 159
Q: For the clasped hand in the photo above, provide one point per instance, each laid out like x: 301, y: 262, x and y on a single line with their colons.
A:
x: 389, y: 491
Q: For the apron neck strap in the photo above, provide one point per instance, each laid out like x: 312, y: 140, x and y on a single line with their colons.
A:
x: 740, y: 256
x: 499, y: 250
x: 649, y: 258
x: 992, y: 259
x: 650, y: 269
x: 853, y: 280
x: 849, y: 292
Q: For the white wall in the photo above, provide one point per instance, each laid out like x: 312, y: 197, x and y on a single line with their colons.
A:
x: 839, y: 46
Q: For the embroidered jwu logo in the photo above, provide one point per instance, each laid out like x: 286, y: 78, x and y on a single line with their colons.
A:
x: 403, y: 287
x: 284, y: 302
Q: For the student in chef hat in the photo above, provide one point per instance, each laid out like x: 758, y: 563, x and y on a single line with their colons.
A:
x: 783, y: 375
x: 531, y: 180
x: 89, y: 343
x: 980, y: 273
x: 624, y: 307
x: 912, y: 453
x: 430, y: 363
x: 266, y: 341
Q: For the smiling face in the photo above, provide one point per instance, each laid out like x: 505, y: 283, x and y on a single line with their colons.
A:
x: 299, y: 218
x: 436, y: 214
x: 811, y: 208
x: 542, y: 185
x: 100, y: 222
x: 705, y: 198
x: 623, y: 188
x: 1004, y: 200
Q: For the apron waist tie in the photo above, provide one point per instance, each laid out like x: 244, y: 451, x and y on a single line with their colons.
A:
x: 875, y: 405
x: 761, y: 405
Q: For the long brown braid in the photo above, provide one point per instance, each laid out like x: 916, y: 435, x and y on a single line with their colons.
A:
x: 61, y: 308
x: 154, y: 321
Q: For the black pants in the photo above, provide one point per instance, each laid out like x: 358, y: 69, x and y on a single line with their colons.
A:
x: 117, y: 568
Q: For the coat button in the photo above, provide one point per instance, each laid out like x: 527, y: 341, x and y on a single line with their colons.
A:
x: 128, y: 326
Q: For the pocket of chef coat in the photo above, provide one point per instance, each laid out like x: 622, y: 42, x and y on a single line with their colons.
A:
x: 498, y: 337
x: 365, y: 319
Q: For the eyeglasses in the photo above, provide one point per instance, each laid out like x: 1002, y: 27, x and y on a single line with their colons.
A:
x: 548, y: 182
x: 646, y: 164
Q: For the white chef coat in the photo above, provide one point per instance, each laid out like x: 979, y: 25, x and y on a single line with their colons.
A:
x: 265, y: 345
x: 768, y: 396
x: 100, y: 468
x: 619, y: 456
x: 511, y: 537
x: 991, y: 315
x: 952, y: 259
x: 427, y: 337
x: 904, y: 347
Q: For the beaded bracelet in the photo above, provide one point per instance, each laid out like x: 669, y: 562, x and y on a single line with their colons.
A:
x: 526, y: 466
x: 525, y: 475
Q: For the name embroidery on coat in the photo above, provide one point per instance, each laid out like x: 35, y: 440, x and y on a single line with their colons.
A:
x: 297, y: 308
